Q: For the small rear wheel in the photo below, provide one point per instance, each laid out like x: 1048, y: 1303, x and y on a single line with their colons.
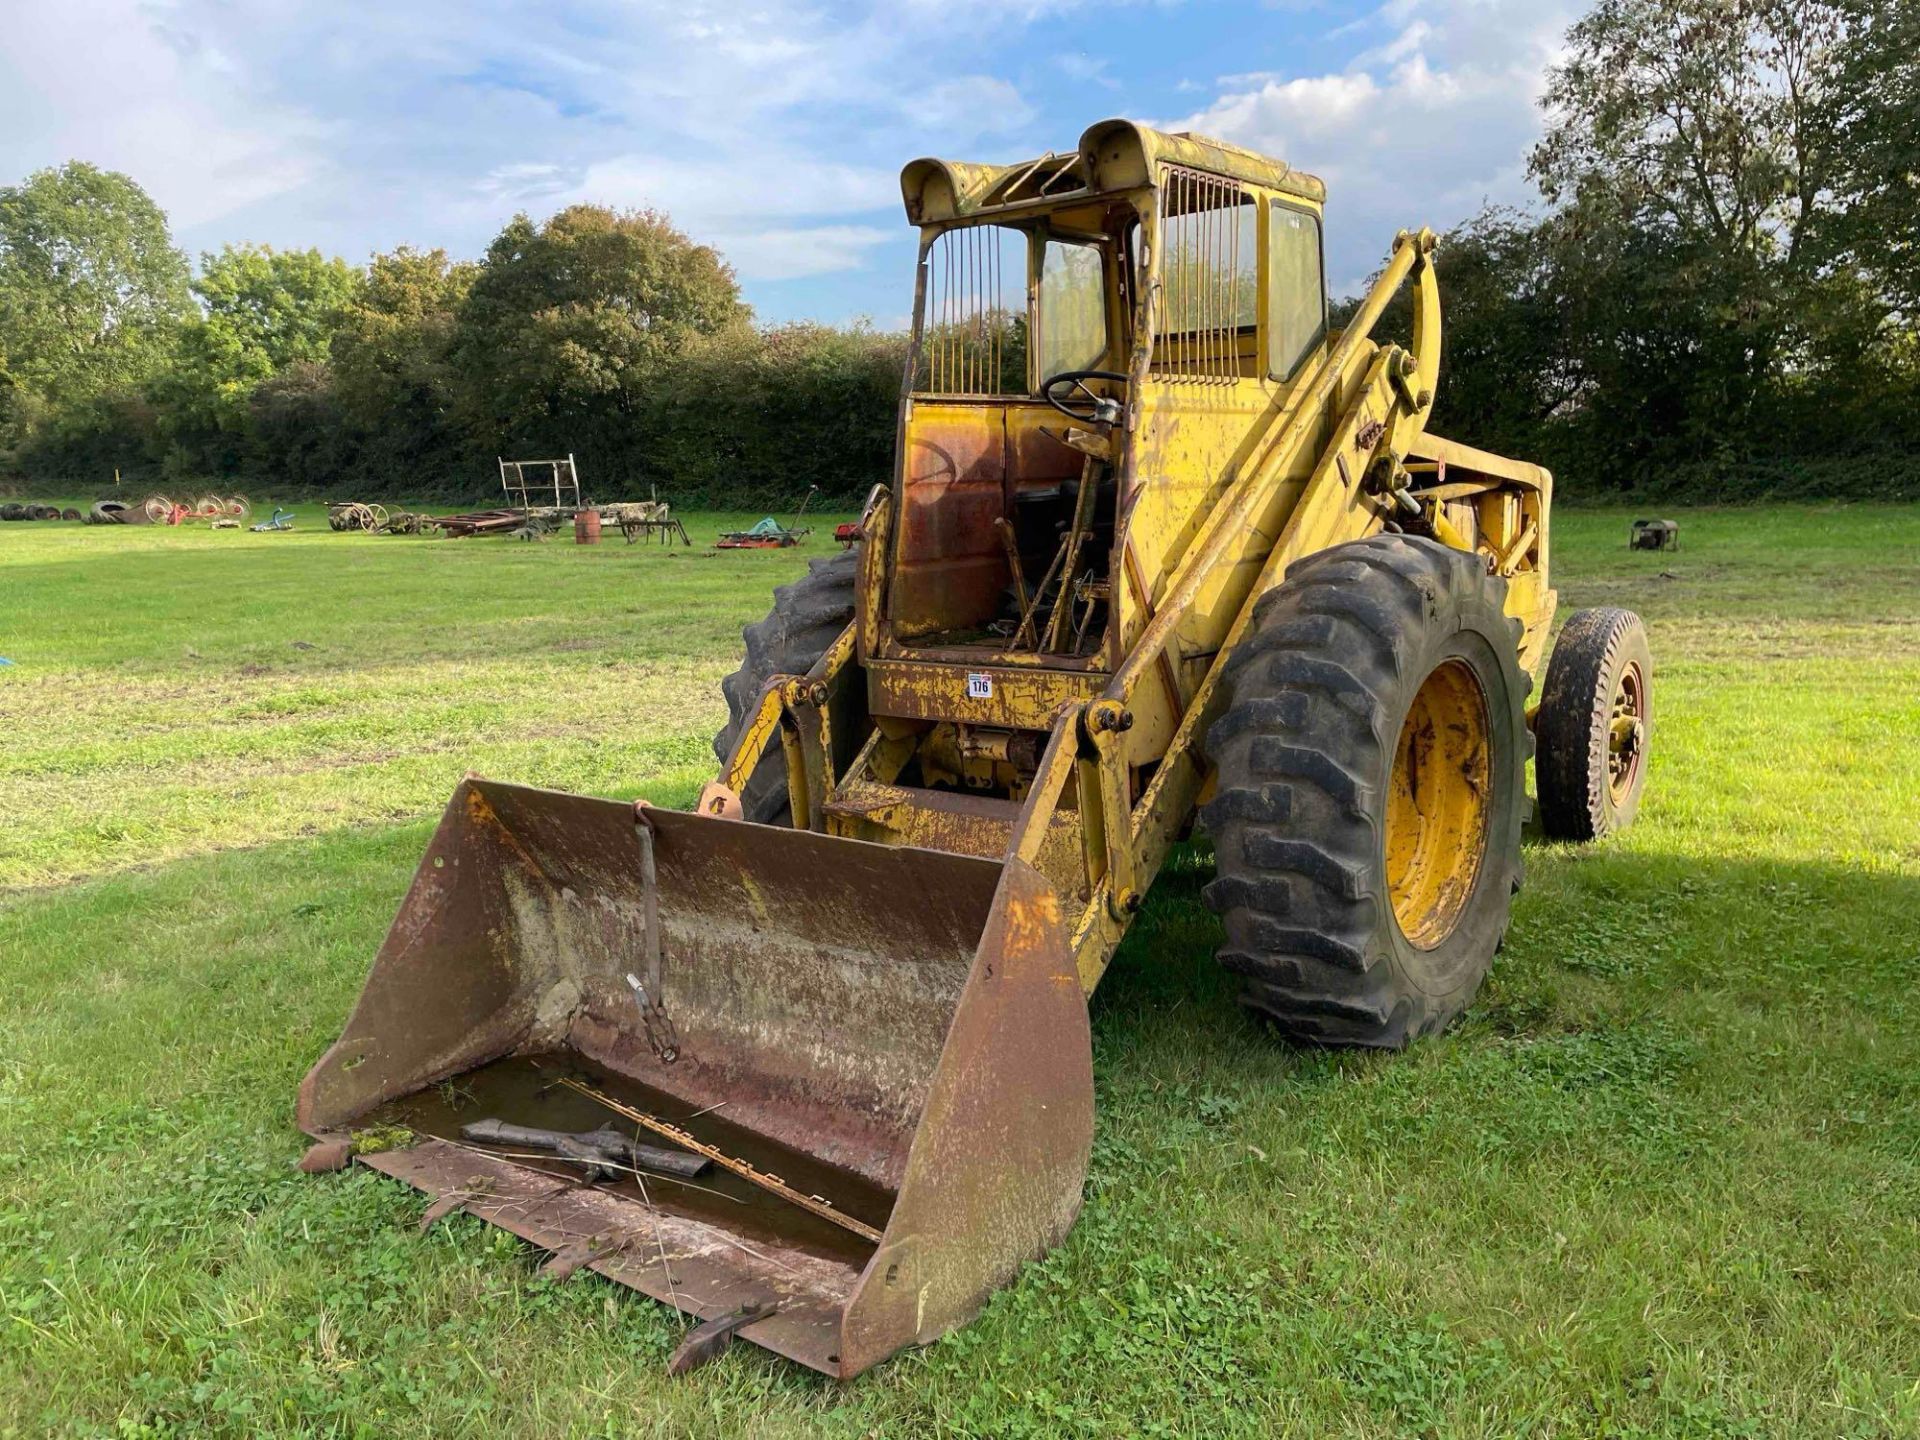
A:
x: 1371, y: 760
x: 1594, y: 725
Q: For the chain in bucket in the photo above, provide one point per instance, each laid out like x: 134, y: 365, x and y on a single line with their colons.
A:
x: 657, y: 1025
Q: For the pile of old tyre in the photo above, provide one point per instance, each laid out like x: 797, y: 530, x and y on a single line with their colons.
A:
x: 19, y: 510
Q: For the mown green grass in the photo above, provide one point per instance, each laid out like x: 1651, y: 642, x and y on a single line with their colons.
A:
x: 1664, y: 1180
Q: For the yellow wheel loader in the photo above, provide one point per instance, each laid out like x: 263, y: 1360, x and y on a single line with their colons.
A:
x: 1159, y: 546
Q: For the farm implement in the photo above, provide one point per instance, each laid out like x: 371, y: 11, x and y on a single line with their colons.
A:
x: 214, y: 509
x: 769, y: 533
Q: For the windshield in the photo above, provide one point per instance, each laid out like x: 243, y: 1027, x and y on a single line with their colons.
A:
x: 1073, y: 308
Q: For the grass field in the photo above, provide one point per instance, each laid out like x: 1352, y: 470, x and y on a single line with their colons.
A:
x: 1664, y: 1180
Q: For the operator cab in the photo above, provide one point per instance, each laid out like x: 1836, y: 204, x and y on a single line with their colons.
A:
x: 1049, y: 397
x: 1010, y: 463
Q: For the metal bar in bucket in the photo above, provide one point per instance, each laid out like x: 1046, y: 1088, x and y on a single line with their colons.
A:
x: 772, y: 1184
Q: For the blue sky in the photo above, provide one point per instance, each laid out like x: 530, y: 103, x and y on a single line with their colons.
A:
x: 771, y: 129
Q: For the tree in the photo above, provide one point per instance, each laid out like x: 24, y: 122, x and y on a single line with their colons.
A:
x: 1690, y: 152
x: 263, y: 310
x: 1878, y: 141
x: 1509, y: 368
x: 294, y: 429
x: 392, y: 372
x: 1709, y: 114
x: 275, y: 307
x: 756, y: 416
x: 91, y: 287
x: 568, y: 322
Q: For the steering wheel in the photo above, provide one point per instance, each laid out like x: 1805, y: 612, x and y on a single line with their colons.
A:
x: 1069, y: 393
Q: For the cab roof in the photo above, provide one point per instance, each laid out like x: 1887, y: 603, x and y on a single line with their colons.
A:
x: 1114, y: 155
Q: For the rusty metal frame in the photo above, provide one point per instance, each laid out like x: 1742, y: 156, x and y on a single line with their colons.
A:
x: 976, y: 1118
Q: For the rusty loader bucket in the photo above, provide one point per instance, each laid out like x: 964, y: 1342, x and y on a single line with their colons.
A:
x: 882, y: 1051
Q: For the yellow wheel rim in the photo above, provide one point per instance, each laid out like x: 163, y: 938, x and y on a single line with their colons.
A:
x: 1438, y: 804
x: 1626, y: 733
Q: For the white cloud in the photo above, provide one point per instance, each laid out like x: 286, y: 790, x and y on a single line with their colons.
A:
x: 132, y: 91
x: 696, y: 191
x: 793, y: 254
x: 1088, y: 69
x: 1428, y: 122
x: 718, y: 207
x: 984, y: 13
x: 1408, y: 42
x: 1318, y: 106
x: 527, y: 183
x: 773, y: 129
x: 970, y: 106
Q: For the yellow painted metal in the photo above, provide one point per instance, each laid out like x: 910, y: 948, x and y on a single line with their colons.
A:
x: 1456, y: 456
x: 800, y: 791
x: 1437, y: 804
x: 757, y: 733
x: 1512, y: 554
x: 1112, y: 155
x: 1444, y: 529
x: 1219, y: 488
x: 1020, y: 698
x: 1104, y: 721
x: 1325, y: 514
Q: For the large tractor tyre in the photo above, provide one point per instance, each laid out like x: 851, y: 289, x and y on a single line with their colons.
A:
x: 1371, y: 758
x: 807, y: 616
x: 1594, y: 725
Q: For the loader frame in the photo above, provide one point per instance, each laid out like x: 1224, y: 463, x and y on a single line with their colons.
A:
x: 887, y: 993
x: 1336, y: 454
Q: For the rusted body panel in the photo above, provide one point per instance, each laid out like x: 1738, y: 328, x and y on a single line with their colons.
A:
x: 948, y: 570
x: 938, y: 820
x: 695, y: 1265
x: 1022, y: 698
x: 963, y: 824
x: 964, y: 463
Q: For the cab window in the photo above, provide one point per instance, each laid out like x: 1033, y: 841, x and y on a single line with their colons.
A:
x: 1073, y: 308
x: 1208, y: 302
x: 973, y: 320
x: 1296, y: 289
